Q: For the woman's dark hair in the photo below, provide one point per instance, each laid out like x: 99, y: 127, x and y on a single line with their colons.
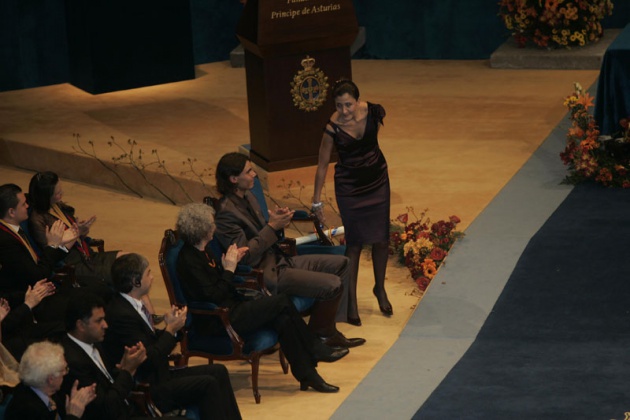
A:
x: 231, y: 164
x: 343, y: 86
x: 41, y: 190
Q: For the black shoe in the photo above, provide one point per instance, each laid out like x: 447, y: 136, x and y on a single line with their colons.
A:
x: 386, y: 308
x: 318, y: 384
x: 339, y: 340
x: 328, y: 354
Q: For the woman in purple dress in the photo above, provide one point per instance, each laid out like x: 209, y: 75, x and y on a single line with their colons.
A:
x: 361, y: 186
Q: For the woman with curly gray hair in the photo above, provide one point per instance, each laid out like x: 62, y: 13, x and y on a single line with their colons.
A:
x: 203, y: 278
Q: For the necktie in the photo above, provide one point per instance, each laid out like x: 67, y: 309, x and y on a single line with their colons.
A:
x: 28, y: 244
x: 52, y: 407
x: 147, y: 317
x: 99, y: 362
x: 23, y: 235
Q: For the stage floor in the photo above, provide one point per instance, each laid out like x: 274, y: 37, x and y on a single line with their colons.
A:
x: 454, y: 135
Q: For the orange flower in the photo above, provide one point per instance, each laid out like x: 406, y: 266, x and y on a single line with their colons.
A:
x: 586, y: 100
x: 588, y: 144
x: 576, y: 132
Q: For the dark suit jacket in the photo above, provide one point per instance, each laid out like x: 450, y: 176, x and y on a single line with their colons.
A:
x: 27, y: 405
x: 110, y: 402
x: 236, y: 225
x: 126, y: 328
x: 19, y: 329
x: 18, y: 270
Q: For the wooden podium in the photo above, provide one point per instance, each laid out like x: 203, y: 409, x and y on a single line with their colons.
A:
x: 294, y: 51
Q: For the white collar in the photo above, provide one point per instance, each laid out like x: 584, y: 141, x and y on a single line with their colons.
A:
x: 42, y: 395
x: 134, y: 302
x: 15, y: 228
x: 88, y: 348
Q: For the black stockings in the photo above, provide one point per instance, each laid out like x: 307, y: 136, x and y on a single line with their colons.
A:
x: 380, y: 255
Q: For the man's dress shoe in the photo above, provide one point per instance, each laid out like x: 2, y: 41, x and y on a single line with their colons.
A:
x: 339, y: 340
x: 330, y: 354
x: 319, y: 385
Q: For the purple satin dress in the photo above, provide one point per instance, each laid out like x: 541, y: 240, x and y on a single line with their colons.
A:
x: 362, y: 182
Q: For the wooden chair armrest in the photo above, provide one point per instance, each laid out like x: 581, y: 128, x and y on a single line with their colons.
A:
x: 223, y: 314
x: 141, y: 397
x: 65, y: 277
x: 99, y: 244
x: 288, y: 246
x: 254, y: 279
x: 176, y: 358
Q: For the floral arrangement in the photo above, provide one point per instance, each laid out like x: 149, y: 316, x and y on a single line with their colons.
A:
x: 555, y: 23
x: 590, y: 157
x: 422, y: 246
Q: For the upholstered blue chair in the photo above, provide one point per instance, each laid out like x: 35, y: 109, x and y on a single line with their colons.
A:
x: 232, y: 346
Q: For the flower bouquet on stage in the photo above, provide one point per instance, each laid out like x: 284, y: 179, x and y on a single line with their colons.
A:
x: 422, y: 246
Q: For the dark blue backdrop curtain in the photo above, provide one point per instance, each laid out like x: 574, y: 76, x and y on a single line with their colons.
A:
x: 33, y: 46
x: 430, y: 29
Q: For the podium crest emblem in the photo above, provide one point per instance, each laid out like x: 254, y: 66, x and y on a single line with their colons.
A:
x: 309, y: 86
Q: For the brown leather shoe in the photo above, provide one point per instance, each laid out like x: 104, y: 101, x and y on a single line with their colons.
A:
x: 339, y: 340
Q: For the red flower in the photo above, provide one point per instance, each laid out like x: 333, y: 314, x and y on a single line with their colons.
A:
x: 423, y: 283
x: 403, y: 218
x: 437, y: 254
x: 454, y: 219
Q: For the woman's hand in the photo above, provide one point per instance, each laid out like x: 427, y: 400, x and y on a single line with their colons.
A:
x: 84, y: 225
x: 70, y: 235
x: 320, y: 215
x: 55, y: 233
x: 231, y: 257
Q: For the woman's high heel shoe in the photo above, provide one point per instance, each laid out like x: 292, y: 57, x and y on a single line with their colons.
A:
x: 386, y: 309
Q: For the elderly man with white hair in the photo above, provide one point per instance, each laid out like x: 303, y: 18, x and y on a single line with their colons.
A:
x: 41, y: 371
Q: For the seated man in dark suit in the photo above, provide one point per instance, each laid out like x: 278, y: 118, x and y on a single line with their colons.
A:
x: 207, y: 386
x: 85, y: 324
x: 42, y: 369
x: 20, y: 266
x: 240, y: 221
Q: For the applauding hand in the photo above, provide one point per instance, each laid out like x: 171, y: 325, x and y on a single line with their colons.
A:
x: 232, y: 256
x: 280, y: 217
x: 133, y: 357
x: 79, y: 399
x: 35, y: 294
x: 175, y: 319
